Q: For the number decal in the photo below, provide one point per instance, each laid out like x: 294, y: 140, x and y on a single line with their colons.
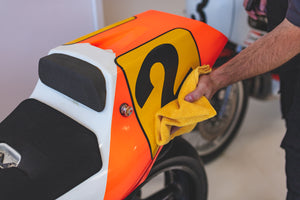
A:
x: 165, y: 54
x: 155, y: 71
x: 200, y: 8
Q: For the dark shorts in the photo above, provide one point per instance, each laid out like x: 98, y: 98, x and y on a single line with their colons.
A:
x: 293, y: 175
x: 290, y: 104
x: 290, y: 101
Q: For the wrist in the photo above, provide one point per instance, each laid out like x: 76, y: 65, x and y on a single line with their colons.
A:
x: 218, y: 79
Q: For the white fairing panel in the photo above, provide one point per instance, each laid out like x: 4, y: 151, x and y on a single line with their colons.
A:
x: 98, y: 122
x: 240, y: 27
x: 218, y: 13
x: 227, y: 16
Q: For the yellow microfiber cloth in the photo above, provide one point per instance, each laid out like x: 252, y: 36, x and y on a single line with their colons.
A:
x: 182, y: 113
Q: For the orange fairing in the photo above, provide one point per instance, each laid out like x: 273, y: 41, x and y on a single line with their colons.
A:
x: 129, y: 149
x: 188, y: 43
x: 134, y: 32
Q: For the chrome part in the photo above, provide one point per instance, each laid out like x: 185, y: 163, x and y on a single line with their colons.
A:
x: 8, y: 156
x: 126, y: 110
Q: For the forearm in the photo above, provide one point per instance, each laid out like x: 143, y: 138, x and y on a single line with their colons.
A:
x: 264, y: 55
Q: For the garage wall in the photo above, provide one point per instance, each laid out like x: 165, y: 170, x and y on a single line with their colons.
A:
x: 28, y: 30
x: 116, y: 10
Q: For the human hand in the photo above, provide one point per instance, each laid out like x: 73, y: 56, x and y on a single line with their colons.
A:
x: 260, y: 10
x: 206, y: 87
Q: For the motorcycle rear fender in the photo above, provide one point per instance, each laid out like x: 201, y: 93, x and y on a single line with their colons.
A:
x: 133, y: 40
x: 127, y: 144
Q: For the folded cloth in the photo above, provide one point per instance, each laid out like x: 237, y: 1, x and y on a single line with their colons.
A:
x: 181, y: 113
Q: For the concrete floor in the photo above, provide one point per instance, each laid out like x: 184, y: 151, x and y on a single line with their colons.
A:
x: 253, y: 165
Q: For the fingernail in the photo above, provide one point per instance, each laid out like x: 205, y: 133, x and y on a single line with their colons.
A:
x: 188, y: 98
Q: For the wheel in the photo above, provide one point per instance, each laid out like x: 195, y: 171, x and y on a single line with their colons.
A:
x: 261, y: 86
x: 178, y: 174
x: 211, y: 137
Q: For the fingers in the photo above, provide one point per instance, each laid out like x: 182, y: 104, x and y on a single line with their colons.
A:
x: 260, y: 10
x: 194, y: 96
x: 262, y: 7
x: 252, y: 14
x: 204, y: 88
x: 174, y: 129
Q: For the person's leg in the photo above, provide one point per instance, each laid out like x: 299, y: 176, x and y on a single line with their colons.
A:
x: 290, y: 104
x: 293, y: 175
x: 291, y: 141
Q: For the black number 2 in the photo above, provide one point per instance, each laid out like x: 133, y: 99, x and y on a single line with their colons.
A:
x: 167, y: 55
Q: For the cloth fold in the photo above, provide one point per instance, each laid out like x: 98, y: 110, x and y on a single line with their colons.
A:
x: 181, y: 113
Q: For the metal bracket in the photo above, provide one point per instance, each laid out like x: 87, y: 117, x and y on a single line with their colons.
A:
x: 9, y: 157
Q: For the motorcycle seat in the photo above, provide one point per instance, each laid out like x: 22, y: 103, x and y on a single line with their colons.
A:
x: 57, y: 153
x: 75, y: 78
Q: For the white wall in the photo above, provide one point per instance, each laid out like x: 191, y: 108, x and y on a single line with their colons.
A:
x: 116, y: 10
x: 28, y: 30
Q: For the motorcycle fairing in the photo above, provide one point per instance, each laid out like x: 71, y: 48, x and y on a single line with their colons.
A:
x: 132, y: 141
x: 127, y: 152
x: 129, y: 137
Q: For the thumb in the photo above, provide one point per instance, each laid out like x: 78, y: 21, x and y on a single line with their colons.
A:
x: 194, y: 95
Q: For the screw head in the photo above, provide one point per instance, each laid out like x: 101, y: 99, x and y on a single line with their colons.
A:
x: 126, y: 110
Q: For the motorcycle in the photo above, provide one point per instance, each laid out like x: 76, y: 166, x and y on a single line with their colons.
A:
x: 213, y: 136
x: 87, y: 130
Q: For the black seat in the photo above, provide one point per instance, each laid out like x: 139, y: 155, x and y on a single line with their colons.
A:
x: 57, y: 153
x: 75, y: 78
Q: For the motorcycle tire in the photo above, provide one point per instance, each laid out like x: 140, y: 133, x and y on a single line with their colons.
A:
x: 211, y: 137
x: 178, y: 174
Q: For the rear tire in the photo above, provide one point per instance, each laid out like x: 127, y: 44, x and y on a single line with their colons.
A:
x: 178, y: 174
x: 211, y: 137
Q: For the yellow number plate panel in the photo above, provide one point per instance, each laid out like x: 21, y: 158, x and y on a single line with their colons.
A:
x: 155, y: 72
